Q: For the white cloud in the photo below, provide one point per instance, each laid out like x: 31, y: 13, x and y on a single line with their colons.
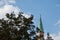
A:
x: 26, y: 15
x: 8, y: 9
x: 54, y: 36
x: 58, y: 5
x: 3, y: 2
x: 57, y: 23
x: 12, y: 1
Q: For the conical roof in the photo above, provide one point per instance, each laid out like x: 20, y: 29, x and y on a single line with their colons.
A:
x: 40, y: 25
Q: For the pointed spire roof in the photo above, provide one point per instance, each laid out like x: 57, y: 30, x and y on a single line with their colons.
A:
x: 40, y: 26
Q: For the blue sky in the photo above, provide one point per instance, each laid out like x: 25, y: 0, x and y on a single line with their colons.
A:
x: 49, y: 10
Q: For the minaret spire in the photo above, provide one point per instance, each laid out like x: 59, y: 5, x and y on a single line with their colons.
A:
x: 40, y: 26
x: 40, y: 30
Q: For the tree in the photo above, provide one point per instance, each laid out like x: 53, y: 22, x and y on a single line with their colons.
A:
x: 17, y: 28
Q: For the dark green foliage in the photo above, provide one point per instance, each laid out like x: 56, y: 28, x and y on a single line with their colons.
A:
x: 16, y: 28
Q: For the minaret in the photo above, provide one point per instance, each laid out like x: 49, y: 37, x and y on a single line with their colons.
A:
x: 40, y: 30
